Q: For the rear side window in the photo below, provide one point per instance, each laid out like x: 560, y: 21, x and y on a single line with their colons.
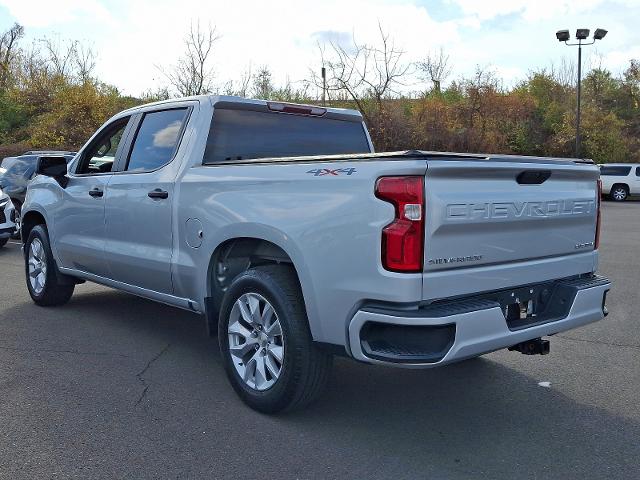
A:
x: 157, y: 139
x: 637, y: 171
x: 246, y: 134
x: 615, y: 170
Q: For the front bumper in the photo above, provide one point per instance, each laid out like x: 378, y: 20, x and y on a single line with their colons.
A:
x: 7, y: 217
x: 467, y: 328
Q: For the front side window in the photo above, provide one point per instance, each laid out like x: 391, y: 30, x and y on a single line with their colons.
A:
x: 157, y: 140
x: 101, y: 154
x: 637, y: 171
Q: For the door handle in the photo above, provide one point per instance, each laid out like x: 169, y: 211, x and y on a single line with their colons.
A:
x: 157, y: 193
x: 96, y: 192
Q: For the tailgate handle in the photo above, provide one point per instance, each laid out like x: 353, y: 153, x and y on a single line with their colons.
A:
x: 533, y: 177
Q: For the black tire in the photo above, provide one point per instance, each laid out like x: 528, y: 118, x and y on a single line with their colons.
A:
x: 305, y: 369
x: 57, y: 289
x: 18, y: 208
x: 3, y: 241
x: 619, y: 193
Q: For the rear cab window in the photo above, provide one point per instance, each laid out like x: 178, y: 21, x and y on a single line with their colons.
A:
x: 237, y: 134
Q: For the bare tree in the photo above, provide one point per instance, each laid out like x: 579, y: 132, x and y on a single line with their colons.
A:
x: 60, y: 55
x: 193, y: 73
x: 8, y: 50
x: 363, y: 71
x: 435, y: 68
x: 565, y: 73
x: 245, y: 80
x: 241, y: 89
x: 85, y: 62
x: 156, y: 95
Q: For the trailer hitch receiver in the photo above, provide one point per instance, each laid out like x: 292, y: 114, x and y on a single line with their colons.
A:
x: 537, y: 346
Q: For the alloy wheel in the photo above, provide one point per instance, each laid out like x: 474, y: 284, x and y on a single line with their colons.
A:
x: 619, y: 194
x: 37, y: 261
x: 256, y: 341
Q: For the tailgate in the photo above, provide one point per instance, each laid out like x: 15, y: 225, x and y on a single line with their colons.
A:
x: 493, y: 215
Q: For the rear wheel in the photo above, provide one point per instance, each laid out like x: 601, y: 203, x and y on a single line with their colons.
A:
x: 46, y: 286
x: 267, y: 350
x: 619, y: 193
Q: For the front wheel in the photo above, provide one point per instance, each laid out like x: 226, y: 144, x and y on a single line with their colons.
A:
x: 46, y: 286
x: 3, y: 241
x: 267, y: 349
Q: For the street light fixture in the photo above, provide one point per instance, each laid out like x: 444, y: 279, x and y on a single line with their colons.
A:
x: 599, y: 34
x: 581, y: 34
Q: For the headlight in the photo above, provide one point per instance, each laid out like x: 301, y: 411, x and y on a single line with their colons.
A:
x: 3, y: 202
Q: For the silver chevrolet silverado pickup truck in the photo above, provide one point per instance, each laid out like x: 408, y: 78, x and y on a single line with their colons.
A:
x: 296, y: 242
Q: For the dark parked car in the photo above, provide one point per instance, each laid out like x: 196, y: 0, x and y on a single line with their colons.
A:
x: 15, y: 173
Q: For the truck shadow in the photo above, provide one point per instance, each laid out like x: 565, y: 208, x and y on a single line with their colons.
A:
x: 475, y: 419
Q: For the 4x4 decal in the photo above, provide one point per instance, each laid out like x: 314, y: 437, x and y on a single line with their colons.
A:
x: 320, y: 172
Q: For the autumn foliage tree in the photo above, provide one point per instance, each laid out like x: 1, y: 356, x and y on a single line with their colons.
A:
x: 51, y: 98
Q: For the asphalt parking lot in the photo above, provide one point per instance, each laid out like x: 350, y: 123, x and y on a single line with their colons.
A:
x: 113, y: 386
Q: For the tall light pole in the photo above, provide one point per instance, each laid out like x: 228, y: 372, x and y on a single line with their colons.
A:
x: 582, y: 34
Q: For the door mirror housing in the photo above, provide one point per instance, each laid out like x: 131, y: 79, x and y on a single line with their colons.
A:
x: 54, y: 167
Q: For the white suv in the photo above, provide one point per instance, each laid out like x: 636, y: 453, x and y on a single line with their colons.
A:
x: 620, y: 180
x: 7, y: 217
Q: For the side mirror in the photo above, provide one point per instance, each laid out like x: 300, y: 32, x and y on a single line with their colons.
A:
x: 55, y: 167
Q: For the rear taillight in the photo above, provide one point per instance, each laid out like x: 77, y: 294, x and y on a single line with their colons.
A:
x: 598, y: 201
x: 403, y: 239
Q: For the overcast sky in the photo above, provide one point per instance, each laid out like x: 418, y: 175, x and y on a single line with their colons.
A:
x: 509, y: 36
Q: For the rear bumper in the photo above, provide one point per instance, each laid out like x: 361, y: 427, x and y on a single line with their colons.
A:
x: 464, y: 329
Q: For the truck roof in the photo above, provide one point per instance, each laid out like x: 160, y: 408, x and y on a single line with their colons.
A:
x: 228, y: 100
x: 48, y: 152
x: 618, y: 164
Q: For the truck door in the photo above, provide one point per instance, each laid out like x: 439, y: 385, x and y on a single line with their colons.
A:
x: 79, y: 220
x: 138, y: 206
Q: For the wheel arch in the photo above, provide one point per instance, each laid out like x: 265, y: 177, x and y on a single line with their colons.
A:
x: 29, y: 220
x: 235, y: 255
x: 620, y: 184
